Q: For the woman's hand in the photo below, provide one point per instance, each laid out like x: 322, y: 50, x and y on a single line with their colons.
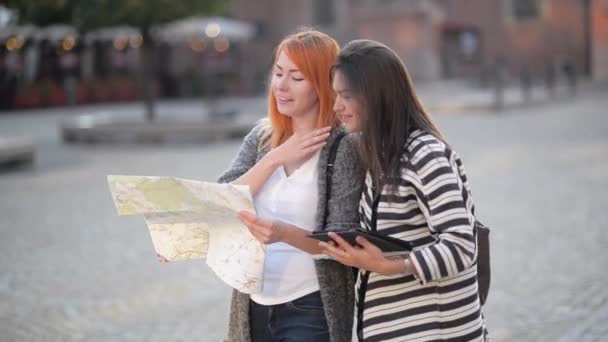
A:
x: 265, y: 231
x: 366, y: 256
x: 300, y: 147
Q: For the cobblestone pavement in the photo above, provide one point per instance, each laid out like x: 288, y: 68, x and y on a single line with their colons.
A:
x: 71, y: 270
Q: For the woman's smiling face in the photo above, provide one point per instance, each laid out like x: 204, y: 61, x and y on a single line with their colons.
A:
x: 347, y: 105
x: 293, y: 93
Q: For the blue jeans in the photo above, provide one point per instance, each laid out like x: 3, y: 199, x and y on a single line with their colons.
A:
x: 301, y: 320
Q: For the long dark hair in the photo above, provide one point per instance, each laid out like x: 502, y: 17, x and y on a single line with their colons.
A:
x: 391, y: 109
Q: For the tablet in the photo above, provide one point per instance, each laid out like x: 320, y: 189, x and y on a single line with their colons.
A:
x: 386, y: 243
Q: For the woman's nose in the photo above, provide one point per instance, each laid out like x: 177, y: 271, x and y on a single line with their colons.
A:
x: 337, y: 106
x: 282, y: 83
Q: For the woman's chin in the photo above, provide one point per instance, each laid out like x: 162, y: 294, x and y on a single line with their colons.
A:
x: 350, y: 127
x: 286, y: 111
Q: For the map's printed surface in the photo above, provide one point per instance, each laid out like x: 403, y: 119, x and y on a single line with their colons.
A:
x: 190, y: 219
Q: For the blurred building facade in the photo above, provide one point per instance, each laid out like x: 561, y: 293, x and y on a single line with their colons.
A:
x: 441, y: 39
x: 599, y: 51
x: 437, y: 39
x: 58, y: 65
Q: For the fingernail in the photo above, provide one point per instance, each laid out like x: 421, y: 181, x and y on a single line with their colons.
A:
x: 322, y: 244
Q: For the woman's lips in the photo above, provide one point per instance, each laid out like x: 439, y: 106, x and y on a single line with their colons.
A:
x: 283, y: 100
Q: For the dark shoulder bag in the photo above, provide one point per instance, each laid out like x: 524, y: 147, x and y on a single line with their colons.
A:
x: 482, y: 234
x: 331, y: 158
x: 483, y: 260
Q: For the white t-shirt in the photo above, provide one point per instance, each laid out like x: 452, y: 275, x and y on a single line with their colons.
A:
x: 289, y: 273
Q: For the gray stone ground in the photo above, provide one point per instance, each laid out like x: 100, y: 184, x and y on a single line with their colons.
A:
x: 71, y: 270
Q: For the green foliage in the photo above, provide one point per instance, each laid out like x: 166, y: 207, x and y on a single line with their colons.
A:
x: 42, y: 12
x: 90, y: 14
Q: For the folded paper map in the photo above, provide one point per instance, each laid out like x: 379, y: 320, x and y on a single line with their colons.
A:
x: 189, y: 219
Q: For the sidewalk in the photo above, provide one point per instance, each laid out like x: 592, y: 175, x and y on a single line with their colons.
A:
x: 194, y: 121
x: 446, y: 97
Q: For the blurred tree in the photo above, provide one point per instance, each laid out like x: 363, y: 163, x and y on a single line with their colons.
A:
x: 42, y: 13
x: 144, y: 14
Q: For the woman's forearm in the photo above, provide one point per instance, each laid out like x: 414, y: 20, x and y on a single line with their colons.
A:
x: 257, y: 176
x: 296, y: 237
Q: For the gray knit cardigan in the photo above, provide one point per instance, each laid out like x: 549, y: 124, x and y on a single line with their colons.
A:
x: 335, y: 280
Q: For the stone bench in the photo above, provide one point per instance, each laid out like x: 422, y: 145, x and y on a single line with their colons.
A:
x: 107, y: 129
x: 15, y: 151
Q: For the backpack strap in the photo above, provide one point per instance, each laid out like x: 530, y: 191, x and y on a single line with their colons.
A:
x: 331, y: 158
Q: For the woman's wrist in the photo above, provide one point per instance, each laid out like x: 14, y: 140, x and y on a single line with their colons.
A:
x: 391, y: 266
x: 271, y: 159
x: 282, y: 230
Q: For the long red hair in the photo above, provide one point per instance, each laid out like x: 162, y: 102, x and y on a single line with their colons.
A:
x: 314, y: 53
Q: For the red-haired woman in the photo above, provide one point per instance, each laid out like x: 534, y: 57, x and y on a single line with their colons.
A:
x: 284, y: 162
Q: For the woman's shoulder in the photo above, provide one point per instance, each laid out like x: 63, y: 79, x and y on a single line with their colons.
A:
x: 261, y: 127
x: 346, y: 144
x: 257, y: 133
x: 421, y: 144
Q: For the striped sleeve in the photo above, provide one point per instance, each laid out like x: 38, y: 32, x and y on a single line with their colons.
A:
x: 434, y: 173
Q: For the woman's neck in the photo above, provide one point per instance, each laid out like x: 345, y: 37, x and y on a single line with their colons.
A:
x: 305, y: 123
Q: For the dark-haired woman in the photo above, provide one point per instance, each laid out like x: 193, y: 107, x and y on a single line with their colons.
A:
x: 415, y: 190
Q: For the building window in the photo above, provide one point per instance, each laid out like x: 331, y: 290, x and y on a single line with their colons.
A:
x: 525, y: 9
x: 324, y: 11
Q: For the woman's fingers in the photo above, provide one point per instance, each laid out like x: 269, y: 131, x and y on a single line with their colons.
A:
x: 313, y: 141
x: 312, y: 149
x: 251, y: 219
x: 341, y: 242
x: 246, y: 217
x: 363, y: 242
x: 314, y: 137
x: 300, y: 147
x: 331, y: 250
x: 261, y: 229
x: 317, y: 132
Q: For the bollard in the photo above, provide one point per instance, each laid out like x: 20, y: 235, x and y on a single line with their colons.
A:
x: 525, y: 79
x: 550, y: 79
x: 500, y: 78
x: 569, y: 70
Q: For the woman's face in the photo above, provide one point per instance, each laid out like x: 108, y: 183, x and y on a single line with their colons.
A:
x: 347, y: 106
x: 294, y: 94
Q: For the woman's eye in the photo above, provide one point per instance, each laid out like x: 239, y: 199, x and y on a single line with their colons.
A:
x: 297, y: 79
x: 277, y: 74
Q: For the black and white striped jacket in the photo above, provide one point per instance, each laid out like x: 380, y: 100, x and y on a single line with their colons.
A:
x: 430, y: 210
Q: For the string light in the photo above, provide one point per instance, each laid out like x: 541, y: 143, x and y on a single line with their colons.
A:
x: 68, y: 43
x: 12, y: 44
x: 198, y: 45
x: 221, y: 44
x: 120, y: 43
x: 212, y: 30
x: 136, y: 41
